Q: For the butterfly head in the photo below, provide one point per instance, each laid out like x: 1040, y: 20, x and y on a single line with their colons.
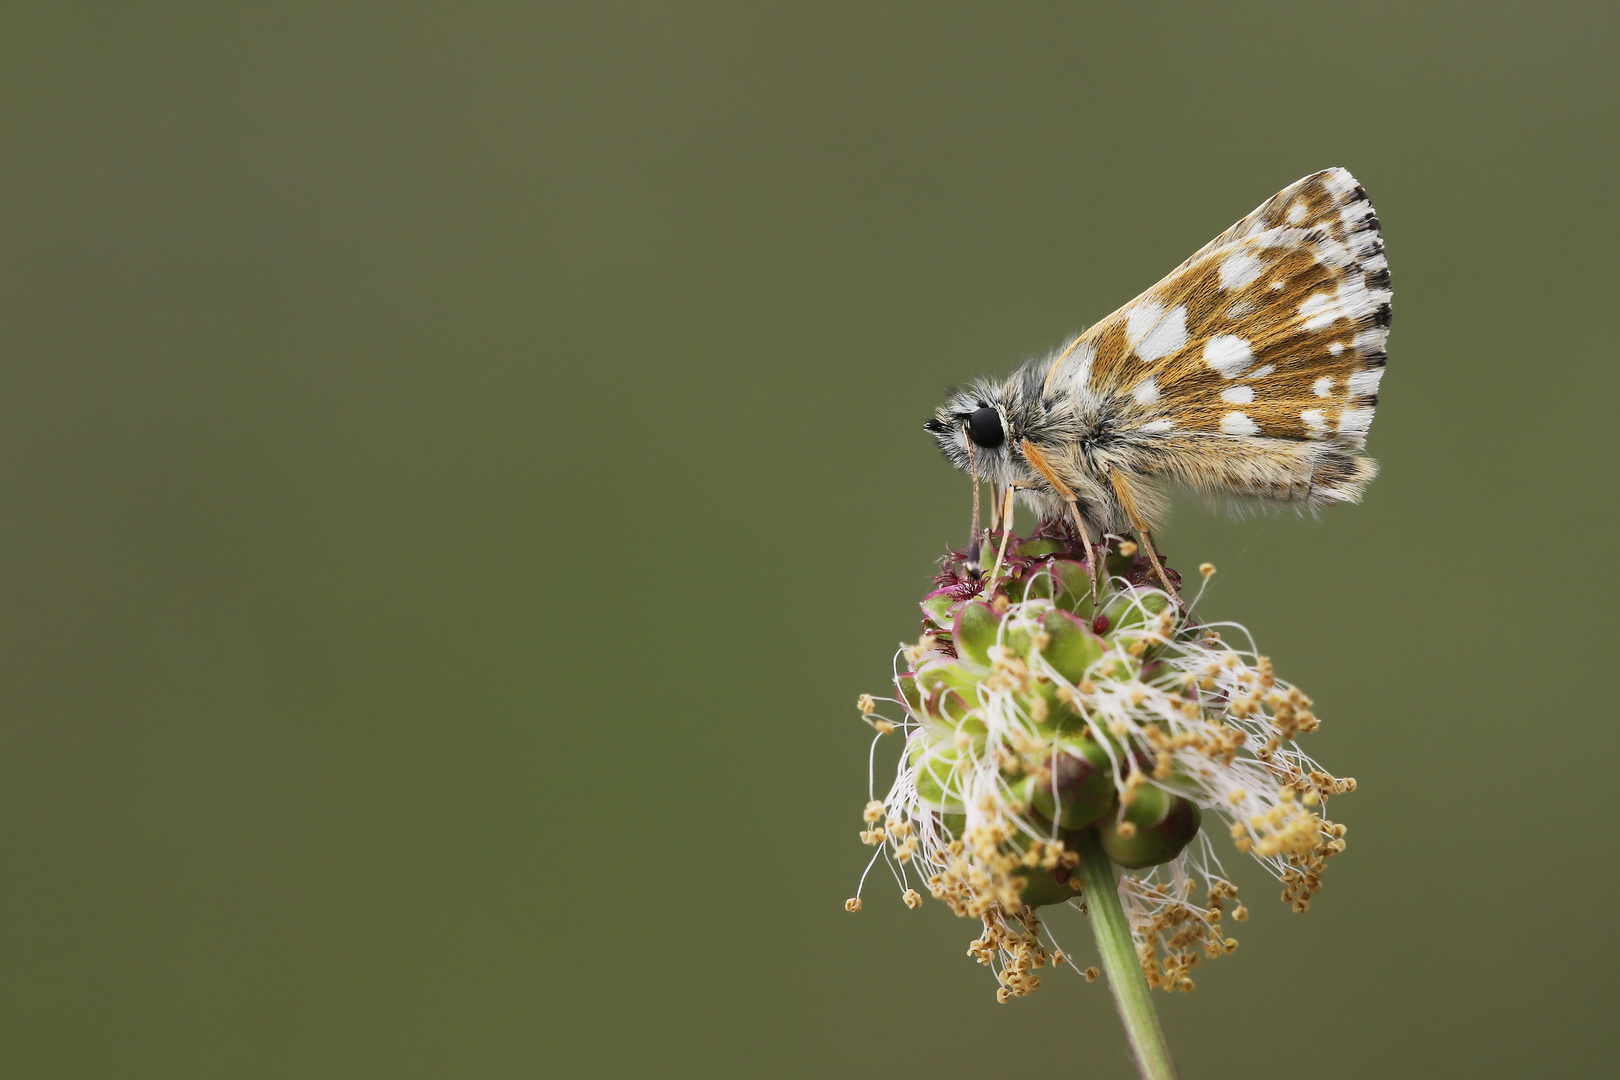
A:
x: 980, y: 428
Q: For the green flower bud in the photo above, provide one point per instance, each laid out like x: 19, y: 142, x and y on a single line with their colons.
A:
x: 906, y: 685
x: 1072, y: 586
x: 937, y: 607
x: 1071, y: 647
x: 1031, y: 549
x: 949, y: 696
x: 1132, y: 608
x: 1043, y: 886
x: 974, y: 631
x: 1075, y: 786
x: 1156, y: 826
x: 938, y: 779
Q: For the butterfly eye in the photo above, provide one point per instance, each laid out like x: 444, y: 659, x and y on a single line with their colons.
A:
x: 984, y: 428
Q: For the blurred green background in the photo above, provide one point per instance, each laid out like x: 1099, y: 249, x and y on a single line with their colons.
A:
x: 460, y: 463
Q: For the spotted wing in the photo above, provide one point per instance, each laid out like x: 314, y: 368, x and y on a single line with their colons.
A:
x: 1274, y: 330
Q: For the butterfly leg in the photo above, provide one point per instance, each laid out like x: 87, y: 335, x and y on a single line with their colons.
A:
x: 1158, y: 567
x: 1006, y: 534
x: 1033, y: 455
x: 973, y: 567
x: 1092, y: 565
x: 1128, y: 504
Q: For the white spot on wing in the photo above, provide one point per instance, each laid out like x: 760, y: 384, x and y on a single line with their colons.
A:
x: 1260, y: 373
x: 1158, y: 427
x: 1228, y: 354
x: 1296, y: 212
x: 1322, y: 387
x: 1235, y: 423
x: 1353, y: 424
x: 1336, y: 348
x: 1365, y: 382
x: 1321, y: 310
x: 1140, y: 319
x: 1147, y: 391
x: 1239, y: 269
x: 1238, y: 395
x: 1082, y: 358
x: 1167, y: 337
x: 1315, y: 421
x: 1338, y: 181
x: 1371, y: 341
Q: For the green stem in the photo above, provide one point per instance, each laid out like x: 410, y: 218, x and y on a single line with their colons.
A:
x: 1125, y: 977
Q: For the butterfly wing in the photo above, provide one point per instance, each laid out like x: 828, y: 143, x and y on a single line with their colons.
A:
x: 1253, y: 368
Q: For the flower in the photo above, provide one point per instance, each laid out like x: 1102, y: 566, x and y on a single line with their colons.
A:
x: 1045, y: 702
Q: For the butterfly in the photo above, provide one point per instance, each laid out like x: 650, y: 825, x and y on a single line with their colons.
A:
x: 1249, y: 374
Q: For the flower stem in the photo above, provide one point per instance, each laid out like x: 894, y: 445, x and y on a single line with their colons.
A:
x: 1125, y: 977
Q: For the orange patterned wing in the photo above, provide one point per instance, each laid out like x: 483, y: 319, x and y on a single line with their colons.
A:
x: 1274, y: 329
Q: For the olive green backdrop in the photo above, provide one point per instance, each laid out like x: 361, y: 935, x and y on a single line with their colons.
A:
x: 459, y: 464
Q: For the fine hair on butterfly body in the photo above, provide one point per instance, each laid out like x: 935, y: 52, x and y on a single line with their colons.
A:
x: 1247, y: 375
